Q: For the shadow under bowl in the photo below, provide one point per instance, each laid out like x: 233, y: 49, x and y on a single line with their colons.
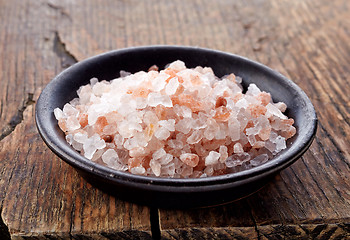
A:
x: 169, y: 192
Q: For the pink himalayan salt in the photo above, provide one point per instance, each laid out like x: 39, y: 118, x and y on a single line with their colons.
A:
x: 176, y: 122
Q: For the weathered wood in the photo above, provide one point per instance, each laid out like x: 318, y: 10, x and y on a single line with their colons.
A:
x: 41, y: 196
x: 308, y: 41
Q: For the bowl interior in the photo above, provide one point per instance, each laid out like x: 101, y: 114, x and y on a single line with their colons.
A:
x: 107, y: 66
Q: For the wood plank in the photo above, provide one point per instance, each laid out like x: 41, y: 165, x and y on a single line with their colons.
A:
x: 298, y: 39
x: 40, y: 195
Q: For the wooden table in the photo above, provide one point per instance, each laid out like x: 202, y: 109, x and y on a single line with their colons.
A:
x: 41, y: 197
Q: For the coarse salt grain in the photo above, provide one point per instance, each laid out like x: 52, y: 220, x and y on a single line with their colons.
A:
x: 176, y: 122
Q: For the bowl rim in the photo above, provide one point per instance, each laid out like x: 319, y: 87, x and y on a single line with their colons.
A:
x: 279, y: 162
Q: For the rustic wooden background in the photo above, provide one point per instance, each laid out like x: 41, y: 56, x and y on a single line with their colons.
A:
x: 41, y: 197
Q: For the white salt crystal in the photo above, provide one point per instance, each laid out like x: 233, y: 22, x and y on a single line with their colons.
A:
x: 168, y: 124
x: 69, y: 110
x: 69, y: 138
x: 234, y: 129
x: 159, y: 153
x: 175, y: 144
x: 159, y: 82
x: 253, y: 90
x: 275, y: 111
x: 110, y: 156
x: 223, y: 154
x: 258, y: 160
x: 281, y: 106
x: 172, y: 86
x: 237, y: 159
x: 154, y: 99
x: 195, y: 137
x: 123, y: 73
x: 177, y: 65
x: 280, y: 143
x: 168, y: 170
x: 167, y: 158
x: 80, y: 137
x: 237, y: 148
x: 58, y: 113
x: 156, y: 167
x: 242, y: 103
x: 184, y: 125
x: 138, y: 170
x: 72, y: 123
x: 162, y: 133
x: 141, y: 103
x: 93, y: 81
x: 212, y: 158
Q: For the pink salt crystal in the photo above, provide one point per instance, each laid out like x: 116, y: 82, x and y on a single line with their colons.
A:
x: 183, y: 125
x: 159, y: 153
x: 195, y: 137
x: 168, y: 124
x: 168, y: 170
x: 223, y: 154
x: 166, y: 159
x: 189, y: 159
x: 162, y: 133
x: 237, y: 148
x: 175, y: 144
x: 156, y: 167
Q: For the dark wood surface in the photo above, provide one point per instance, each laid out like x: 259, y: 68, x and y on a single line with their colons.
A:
x: 41, y: 197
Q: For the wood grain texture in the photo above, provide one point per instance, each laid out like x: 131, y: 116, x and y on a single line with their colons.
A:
x: 308, y: 41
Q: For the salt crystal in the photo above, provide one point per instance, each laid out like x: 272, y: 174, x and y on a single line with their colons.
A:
x: 138, y: 170
x: 195, y: 137
x: 273, y: 110
x: 168, y: 124
x: 212, y: 158
x: 184, y: 125
x: 253, y: 90
x: 159, y: 153
x: 223, y: 154
x: 155, y: 99
x: 258, y: 160
x: 237, y: 148
x: 189, y: 159
x: 156, y: 167
x: 167, y: 158
x: 172, y: 86
x: 69, y: 110
x: 162, y: 133
x: 237, y: 159
x: 58, y: 113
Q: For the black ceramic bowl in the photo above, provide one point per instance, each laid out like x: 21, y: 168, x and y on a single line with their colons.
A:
x: 167, y: 192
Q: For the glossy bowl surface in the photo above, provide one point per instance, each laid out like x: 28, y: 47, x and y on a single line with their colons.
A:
x: 167, y: 192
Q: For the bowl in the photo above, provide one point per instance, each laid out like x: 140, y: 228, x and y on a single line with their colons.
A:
x: 169, y: 192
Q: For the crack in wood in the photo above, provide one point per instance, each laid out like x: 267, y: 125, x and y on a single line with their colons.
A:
x: 4, y: 231
x: 60, y: 9
x: 155, y: 223
x: 17, y: 118
x: 59, y: 47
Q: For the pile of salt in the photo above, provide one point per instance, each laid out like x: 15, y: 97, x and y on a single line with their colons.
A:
x: 177, y: 122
